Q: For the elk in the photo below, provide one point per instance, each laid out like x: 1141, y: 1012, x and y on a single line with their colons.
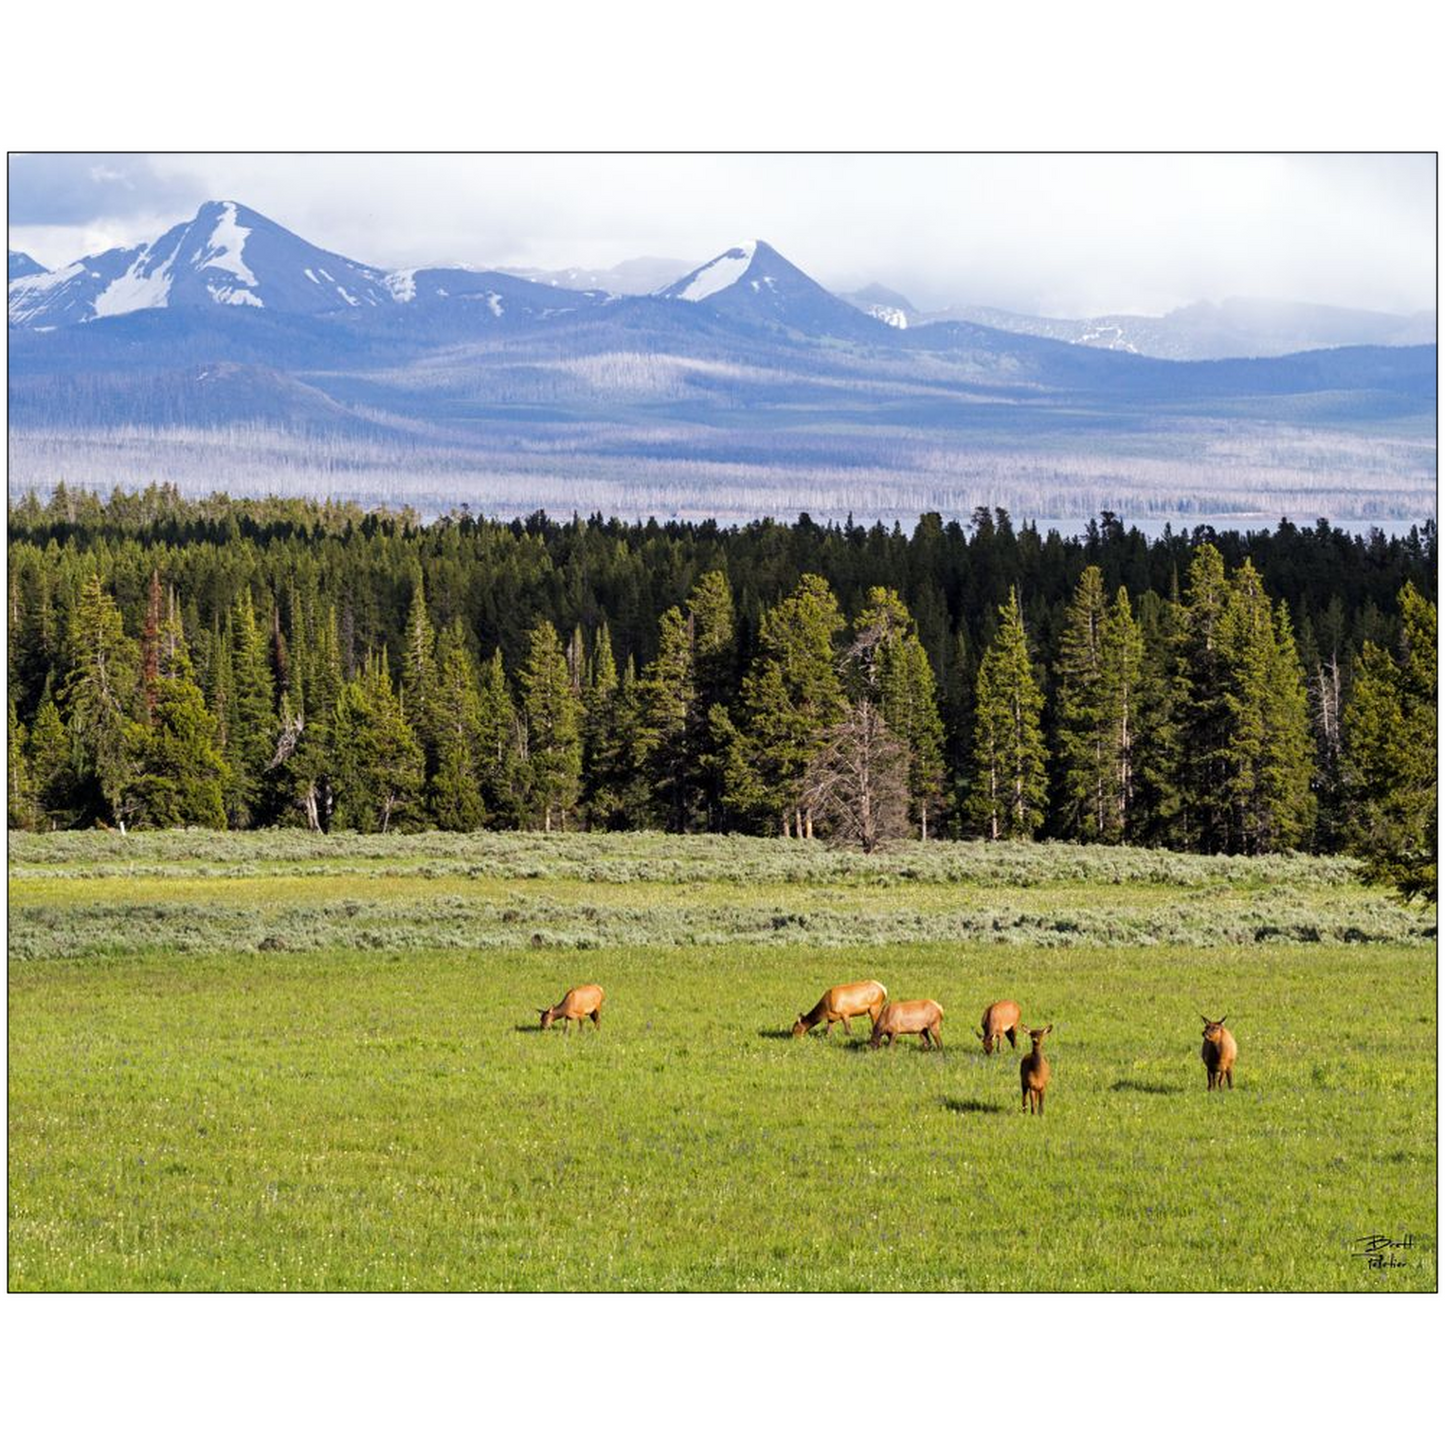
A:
x: 1219, y: 1053
x: 921, y: 1016
x: 580, y: 1003
x: 1034, y: 1073
x: 838, y: 1005
x: 1000, y: 1021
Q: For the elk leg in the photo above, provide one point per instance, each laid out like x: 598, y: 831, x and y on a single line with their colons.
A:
x: 1041, y: 1103
x: 1229, y: 1077
x: 846, y: 1029
x: 1013, y: 1042
x: 597, y: 1017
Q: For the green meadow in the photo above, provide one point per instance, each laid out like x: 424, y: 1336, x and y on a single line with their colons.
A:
x: 277, y: 1061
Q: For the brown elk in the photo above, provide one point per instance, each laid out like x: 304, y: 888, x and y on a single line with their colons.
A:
x: 921, y: 1016
x: 1034, y: 1072
x: 580, y: 1003
x: 838, y: 1005
x: 1000, y: 1021
x: 1219, y: 1053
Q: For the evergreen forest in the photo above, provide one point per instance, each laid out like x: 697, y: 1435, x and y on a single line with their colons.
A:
x: 227, y: 663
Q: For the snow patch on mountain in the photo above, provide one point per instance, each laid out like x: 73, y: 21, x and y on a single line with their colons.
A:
x: 717, y: 274
x: 136, y: 289
x: 401, y: 284
x: 28, y: 292
x: 224, y: 251
x: 233, y: 296
x: 890, y: 316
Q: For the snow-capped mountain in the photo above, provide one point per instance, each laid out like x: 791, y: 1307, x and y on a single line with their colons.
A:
x: 23, y: 265
x: 755, y: 284
x: 227, y: 255
x: 232, y: 337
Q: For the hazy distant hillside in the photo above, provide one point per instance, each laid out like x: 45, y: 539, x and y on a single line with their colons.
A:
x: 232, y: 350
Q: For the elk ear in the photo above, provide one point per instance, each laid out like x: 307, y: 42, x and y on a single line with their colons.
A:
x: 1049, y: 1029
x: 977, y: 1034
x: 1206, y: 1020
x: 1222, y: 1020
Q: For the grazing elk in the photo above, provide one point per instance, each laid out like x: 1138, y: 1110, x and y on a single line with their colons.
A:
x: 580, y: 1003
x: 1219, y: 1053
x: 1000, y: 1021
x: 838, y: 1005
x: 1034, y: 1073
x: 921, y: 1016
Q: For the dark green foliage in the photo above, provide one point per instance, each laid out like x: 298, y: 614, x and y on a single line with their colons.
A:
x: 100, y: 697
x: 718, y: 712
x: 1008, y: 792
x: 378, y: 771
x: 1391, y: 741
x: 552, y: 712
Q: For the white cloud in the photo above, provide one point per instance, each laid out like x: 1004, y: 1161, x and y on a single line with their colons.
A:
x: 1067, y: 235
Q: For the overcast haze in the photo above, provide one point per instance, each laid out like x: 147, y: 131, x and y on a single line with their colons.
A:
x: 1048, y: 234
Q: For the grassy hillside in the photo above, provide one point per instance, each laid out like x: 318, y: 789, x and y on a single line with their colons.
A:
x: 290, y: 1062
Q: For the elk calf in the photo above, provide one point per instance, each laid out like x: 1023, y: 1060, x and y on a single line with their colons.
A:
x: 1034, y: 1073
x: 580, y: 1003
x: 1219, y: 1053
x: 1000, y: 1021
x: 838, y: 1005
x: 921, y: 1016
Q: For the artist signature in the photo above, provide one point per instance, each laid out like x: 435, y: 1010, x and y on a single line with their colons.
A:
x: 1378, y: 1250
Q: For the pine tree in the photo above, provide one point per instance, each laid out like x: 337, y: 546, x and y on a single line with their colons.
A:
x: 713, y: 616
x: 419, y: 672
x: 50, y: 758
x: 1099, y: 667
x: 180, y: 775
x: 667, y: 722
x: 1205, y: 717
x: 553, y: 717
x: 501, y: 747
x: 378, y: 771
x: 791, y: 696
x: 1267, y: 749
x: 1390, y: 749
x: 1009, y: 780
x: 892, y: 671
x: 251, y: 728
x: 100, y: 697
x: 454, y: 792
x: 1157, y: 817
x: 22, y: 810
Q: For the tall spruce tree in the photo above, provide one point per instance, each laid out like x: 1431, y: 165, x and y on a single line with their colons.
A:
x: 51, y: 761
x: 553, y: 718
x: 666, y: 725
x: 1391, y: 744
x: 180, y: 775
x: 250, y: 730
x: 890, y: 668
x: 100, y: 697
x: 1206, y: 720
x: 791, y: 696
x: 454, y: 792
x: 1100, y: 657
x: 501, y: 747
x: 22, y: 810
x: 1009, y: 780
x: 378, y: 771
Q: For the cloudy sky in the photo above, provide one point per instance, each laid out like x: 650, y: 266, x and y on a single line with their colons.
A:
x: 1052, y: 234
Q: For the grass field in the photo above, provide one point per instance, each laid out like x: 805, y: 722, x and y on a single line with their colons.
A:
x: 283, y: 1062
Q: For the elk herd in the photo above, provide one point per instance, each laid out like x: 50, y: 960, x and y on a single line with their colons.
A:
x: 924, y: 1017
